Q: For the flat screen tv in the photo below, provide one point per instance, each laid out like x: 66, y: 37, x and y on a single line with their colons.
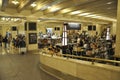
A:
x: 57, y: 28
x: 32, y: 26
x: 94, y: 27
x: 25, y: 26
x: 89, y: 27
x: 73, y: 26
x: 14, y: 28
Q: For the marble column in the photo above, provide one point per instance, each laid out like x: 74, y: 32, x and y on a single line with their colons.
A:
x: 117, y: 49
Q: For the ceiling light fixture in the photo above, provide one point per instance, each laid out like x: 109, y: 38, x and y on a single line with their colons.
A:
x: 39, y: 20
x: 3, y: 18
x: 107, y: 18
x: 33, y: 4
x: 12, y: 19
x: 96, y: 16
x: 15, y: 19
x: 84, y: 14
x: 65, y: 10
x: 15, y: 2
x: 8, y: 18
x: 54, y: 9
x: 109, y: 2
x: 90, y: 15
x: 49, y: 7
x: 75, y: 12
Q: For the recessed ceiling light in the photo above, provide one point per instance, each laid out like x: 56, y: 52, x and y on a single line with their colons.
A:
x: 109, y: 2
x: 7, y: 19
x: 49, y: 7
x: 12, y: 19
x: 96, y: 16
x: 83, y: 14
x: 3, y: 18
x: 16, y: 19
x: 75, y: 12
x: 54, y: 9
x: 39, y: 20
x: 65, y: 10
x: 15, y: 2
x: 33, y: 4
x: 90, y: 15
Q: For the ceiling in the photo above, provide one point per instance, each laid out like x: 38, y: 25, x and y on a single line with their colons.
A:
x: 59, y: 10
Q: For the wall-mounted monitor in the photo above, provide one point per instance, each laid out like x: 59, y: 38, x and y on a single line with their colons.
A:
x: 57, y: 28
x: 94, y: 27
x: 89, y: 27
x: 32, y: 26
x: 73, y: 26
x: 25, y: 26
x: 14, y: 28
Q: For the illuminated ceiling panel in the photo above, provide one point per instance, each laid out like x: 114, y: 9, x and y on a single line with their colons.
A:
x: 67, y: 9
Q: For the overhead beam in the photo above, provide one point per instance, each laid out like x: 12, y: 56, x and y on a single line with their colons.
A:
x: 65, y: 4
x: 100, y: 9
x: 83, y: 6
x: 24, y: 3
x: 110, y: 14
x: 97, y: 9
x: 3, y: 4
x: 61, y: 5
x: 41, y: 4
x: 81, y: 19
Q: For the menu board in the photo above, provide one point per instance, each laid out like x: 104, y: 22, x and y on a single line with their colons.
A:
x: 32, y: 38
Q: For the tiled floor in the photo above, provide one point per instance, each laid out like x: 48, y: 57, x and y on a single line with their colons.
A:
x: 14, y: 66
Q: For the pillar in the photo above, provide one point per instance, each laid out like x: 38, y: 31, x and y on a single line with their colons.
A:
x: 117, y: 49
x: 31, y: 36
x: 64, y: 38
x: 113, y: 28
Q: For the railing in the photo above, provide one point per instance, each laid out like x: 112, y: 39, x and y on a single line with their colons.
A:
x: 91, y: 59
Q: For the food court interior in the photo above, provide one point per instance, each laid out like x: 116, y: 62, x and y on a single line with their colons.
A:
x: 83, y: 30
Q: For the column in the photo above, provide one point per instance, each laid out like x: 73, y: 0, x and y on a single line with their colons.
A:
x: 113, y: 28
x: 31, y: 36
x: 64, y: 39
x: 99, y: 28
x: 117, y: 49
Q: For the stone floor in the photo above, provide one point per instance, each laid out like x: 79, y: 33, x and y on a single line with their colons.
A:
x: 14, y: 66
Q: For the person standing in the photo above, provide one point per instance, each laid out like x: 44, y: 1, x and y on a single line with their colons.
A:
x: 5, y: 40
x: 1, y: 39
